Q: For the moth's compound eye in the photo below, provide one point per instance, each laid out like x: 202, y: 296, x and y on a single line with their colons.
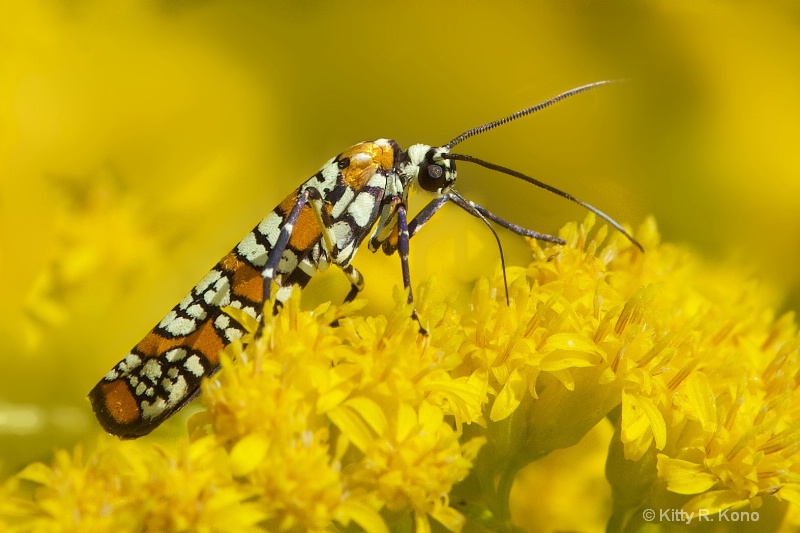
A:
x: 432, y: 176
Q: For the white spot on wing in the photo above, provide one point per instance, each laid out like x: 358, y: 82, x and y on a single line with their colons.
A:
x: 361, y: 209
x: 170, y: 317
x: 219, y: 294
x: 175, y: 354
x: 151, y: 370
x: 209, y: 278
x: 330, y: 171
x: 196, y: 311
x: 154, y: 409
x: 179, y: 327
x: 341, y: 205
x: 222, y: 322
x: 177, y: 390
x: 233, y: 334
x: 186, y: 302
x: 378, y: 181
x: 193, y: 366
x: 288, y: 262
x: 270, y: 227
x: 341, y: 233
x: 250, y: 249
x: 131, y: 361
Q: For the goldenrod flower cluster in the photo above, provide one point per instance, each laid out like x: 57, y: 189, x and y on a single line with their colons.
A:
x: 334, y: 421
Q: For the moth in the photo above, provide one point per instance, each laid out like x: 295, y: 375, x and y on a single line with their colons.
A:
x: 360, y: 194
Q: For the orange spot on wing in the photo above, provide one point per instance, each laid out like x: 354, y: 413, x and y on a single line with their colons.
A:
x: 119, y: 402
x: 153, y: 344
x: 205, y: 340
x: 208, y: 342
x: 247, y: 281
x: 230, y: 262
x: 306, y: 230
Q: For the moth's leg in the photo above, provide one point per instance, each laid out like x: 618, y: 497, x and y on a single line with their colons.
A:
x: 402, y: 250
x: 313, y: 198
x: 329, y: 245
x: 356, y: 285
x: 356, y: 281
x: 391, y: 243
x: 426, y: 213
x: 268, y: 273
x: 326, y: 224
x: 307, y: 266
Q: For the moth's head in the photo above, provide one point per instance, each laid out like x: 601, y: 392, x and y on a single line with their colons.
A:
x: 429, y: 169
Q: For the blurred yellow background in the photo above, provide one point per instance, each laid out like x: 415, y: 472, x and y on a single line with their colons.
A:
x: 139, y: 141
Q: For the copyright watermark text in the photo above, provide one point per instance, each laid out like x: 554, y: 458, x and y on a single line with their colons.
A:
x: 700, y: 515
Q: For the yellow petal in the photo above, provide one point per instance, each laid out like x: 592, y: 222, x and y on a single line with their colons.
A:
x: 37, y: 472
x: 570, y: 342
x: 700, y: 400
x: 406, y: 421
x: 352, y: 425
x: 789, y: 492
x: 657, y: 424
x: 510, y: 396
x: 684, y: 477
x: 714, y: 501
x: 421, y: 523
x: 449, y: 518
x: 640, y: 415
x: 362, y: 514
x: 247, y: 454
x: 371, y: 412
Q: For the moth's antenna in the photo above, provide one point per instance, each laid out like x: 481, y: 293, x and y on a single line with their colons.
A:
x: 527, y: 111
x: 545, y: 186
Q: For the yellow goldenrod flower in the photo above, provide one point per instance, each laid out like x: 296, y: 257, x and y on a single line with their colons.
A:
x: 368, y: 425
x: 132, y: 486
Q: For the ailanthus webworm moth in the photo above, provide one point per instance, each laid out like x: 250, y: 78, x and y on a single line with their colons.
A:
x: 320, y: 223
